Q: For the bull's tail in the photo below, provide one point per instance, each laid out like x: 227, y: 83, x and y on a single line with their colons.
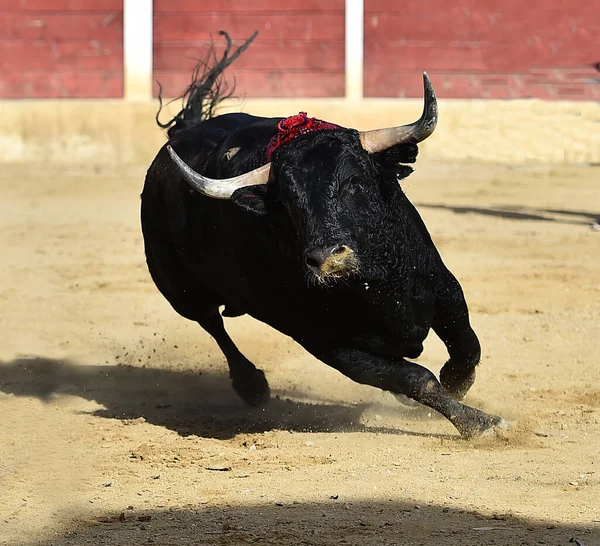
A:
x: 207, y: 90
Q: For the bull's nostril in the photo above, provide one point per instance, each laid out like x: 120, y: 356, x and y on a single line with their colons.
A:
x: 312, y: 262
x: 319, y: 256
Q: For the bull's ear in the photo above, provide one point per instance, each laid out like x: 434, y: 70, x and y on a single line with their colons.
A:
x: 251, y: 199
x: 394, y: 159
x: 400, y: 153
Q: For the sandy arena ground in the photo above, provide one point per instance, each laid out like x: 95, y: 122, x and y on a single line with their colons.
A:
x: 119, y: 426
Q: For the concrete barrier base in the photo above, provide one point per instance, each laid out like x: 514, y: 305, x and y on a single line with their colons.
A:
x: 120, y: 132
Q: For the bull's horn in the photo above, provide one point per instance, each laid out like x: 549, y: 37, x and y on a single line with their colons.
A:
x: 382, y: 139
x: 219, y: 189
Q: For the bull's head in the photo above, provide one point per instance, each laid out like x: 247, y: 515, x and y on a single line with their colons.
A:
x: 325, y: 183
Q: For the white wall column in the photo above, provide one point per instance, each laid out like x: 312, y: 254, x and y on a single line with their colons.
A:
x: 137, y: 49
x: 355, y: 39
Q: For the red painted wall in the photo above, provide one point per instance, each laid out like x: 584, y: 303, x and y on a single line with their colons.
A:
x: 61, y: 48
x: 471, y: 48
x: 299, y: 50
x: 487, y: 49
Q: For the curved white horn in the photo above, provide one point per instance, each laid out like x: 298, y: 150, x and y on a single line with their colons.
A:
x: 382, y: 139
x: 219, y: 189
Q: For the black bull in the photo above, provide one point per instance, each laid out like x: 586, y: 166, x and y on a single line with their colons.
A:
x: 321, y: 244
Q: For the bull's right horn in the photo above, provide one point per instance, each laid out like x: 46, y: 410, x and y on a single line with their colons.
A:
x: 382, y: 139
x: 219, y: 189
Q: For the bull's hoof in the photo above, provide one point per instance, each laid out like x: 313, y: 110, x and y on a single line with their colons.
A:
x: 482, y: 425
x: 252, y: 388
x: 456, y: 383
x: 501, y: 425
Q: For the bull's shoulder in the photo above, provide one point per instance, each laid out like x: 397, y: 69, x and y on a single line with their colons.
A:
x: 231, y: 122
x: 254, y: 134
x: 228, y: 126
x: 226, y: 145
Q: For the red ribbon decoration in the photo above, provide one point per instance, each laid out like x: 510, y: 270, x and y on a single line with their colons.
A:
x: 290, y: 128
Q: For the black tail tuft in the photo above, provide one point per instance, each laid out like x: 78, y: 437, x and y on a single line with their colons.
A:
x: 207, y: 90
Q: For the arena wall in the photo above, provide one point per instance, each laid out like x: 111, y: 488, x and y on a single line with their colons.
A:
x: 61, y: 48
x: 548, y: 49
x: 478, y: 52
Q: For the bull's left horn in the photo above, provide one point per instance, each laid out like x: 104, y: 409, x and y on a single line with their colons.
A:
x: 219, y: 189
x: 382, y: 139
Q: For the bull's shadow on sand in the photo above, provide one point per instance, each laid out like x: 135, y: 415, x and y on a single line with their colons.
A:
x: 330, y: 522
x: 511, y: 212
x: 183, y: 401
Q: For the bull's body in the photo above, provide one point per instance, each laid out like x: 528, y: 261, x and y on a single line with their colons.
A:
x: 250, y: 255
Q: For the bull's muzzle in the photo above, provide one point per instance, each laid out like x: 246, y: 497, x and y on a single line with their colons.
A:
x: 331, y: 262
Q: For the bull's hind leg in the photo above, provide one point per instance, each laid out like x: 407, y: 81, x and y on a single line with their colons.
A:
x: 451, y: 324
x: 248, y: 381
x: 194, y: 302
x: 197, y: 304
x: 412, y: 380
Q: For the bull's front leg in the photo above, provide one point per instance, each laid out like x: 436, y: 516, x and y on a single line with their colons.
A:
x: 451, y: 324
x: 400, y: 376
